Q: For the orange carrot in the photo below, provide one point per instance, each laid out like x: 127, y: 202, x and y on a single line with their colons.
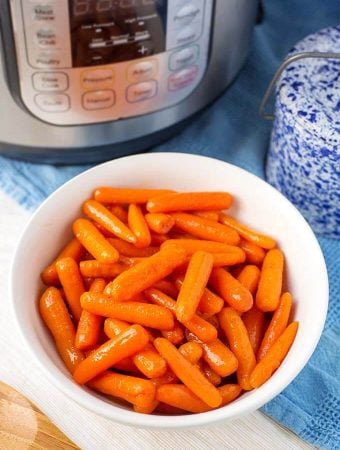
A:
x: 74, y: 250
x: 275, y: 355
x: 205, y: 228
x: 188, y: 201
x: 254, y: 321
x: 254, y: 253
x: 120, y: 212
x: 249, y: 278
x: 130, y: 341
x: 194, y: 282
x: 231, y: 290
x: 146, y: 273
x: 200, y: 327
x: 159, y: 222
x: 101, y: 215
x: 211, y: 215
x: 229, y: 393
x: 217, y: 355
x: 176, y: 335
x: 194, y: 245
x: 240, y: 345
x: 72, y: 283
x: 277, y: 325
x: 192, y: 351
x: 94, y: 242
x: 55, y: 315
x: 209, y: 374
x: 138, y: 225
x: 188, y: 373
x: 147, y: 361
x: 126, y: 249
x: 132, y: 389
x: 152, y: 316
x: 126, y: 195
x: 209, y: 304
x: 270, y: 284
x: 148, y: 408
x: 89, y: 325
x: 181, y: 397
x: 228, y: 259
x: 169, y: 410
x: 158, y: 239
x: 262, y: 240
x: 167, y: 287
x: 96, y: 269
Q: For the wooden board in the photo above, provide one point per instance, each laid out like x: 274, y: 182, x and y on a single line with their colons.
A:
x: 23, y: 426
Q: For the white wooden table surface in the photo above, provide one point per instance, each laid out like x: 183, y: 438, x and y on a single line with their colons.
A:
x: 87, y: 430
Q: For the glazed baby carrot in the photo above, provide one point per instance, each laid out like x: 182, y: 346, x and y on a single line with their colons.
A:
x: 130, y: 341
x: 231, y: 290
x: 159, y: 222
x: 211, y: 215
x: 254, y: 253
x: 275, y: 355
x: 229, y: 393
x: 139, y: 227
x: 55, y: 315
x: 209, y: 304
x: 217, y: 355
x: 270, y: 284
x: 189, y: 201
x: 94, y: 242
x: 194, y: 245
x: 74, y: 250
x: 176, y: 335
x: 89, y: 325
x: 254, y: 322
x: 132, y: 389
x: 240, y: 345
x: 209, y: 374
x: 126, y: 195
x: 262, y: 240
x: 147, y: 361
x: 228, y: 259
x: 194, y: 282
x: 120, y: 212
x: 188, y: 373
x: 200, y: 327
x: 96, y: 269
x: 192, y: 351
x: 249, y: 278
x: 206, y: 229
x: 152, y: 316
x: 277, y: 324
x: 180, y: 396
x: 168, y: 287
x: 127, y: 249
x: 72, y: 283
x: 146, y: 273
x: 101, y: 215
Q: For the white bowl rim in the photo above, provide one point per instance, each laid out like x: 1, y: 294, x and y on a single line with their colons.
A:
x: 246, y: 404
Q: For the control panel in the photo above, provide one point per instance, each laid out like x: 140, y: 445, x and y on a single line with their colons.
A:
x: 90, y: 61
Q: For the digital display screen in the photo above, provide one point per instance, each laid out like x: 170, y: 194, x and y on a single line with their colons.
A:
x: 109, y: 31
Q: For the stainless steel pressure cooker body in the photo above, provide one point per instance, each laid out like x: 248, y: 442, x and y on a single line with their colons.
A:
x: 87, y: 80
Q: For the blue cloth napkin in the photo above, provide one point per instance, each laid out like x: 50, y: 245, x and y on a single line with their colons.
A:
x: 232, y: 130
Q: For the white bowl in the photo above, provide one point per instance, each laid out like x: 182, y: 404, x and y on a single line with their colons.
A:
x: 257, y: 204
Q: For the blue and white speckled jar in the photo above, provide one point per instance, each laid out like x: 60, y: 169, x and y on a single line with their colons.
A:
x: 303, y: 160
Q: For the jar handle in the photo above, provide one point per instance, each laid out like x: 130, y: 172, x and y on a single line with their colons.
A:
x: 290, y: 59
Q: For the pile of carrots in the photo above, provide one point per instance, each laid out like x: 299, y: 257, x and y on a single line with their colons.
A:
x: 164, y: 301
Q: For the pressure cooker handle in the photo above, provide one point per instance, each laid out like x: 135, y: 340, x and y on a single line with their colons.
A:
x: 284, y: 64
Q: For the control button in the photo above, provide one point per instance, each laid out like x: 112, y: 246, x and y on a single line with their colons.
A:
x: 98, y: 99
x: 187, y: 35
x: 143, y: 70
x: 46, y: 37
x: 141, y: 91
x: 183, y: 78
x: 186, y: 15
x: 50, y: 81
x: 53, y: 103
x: 184, y: 57
x: 97, y: 79
x: 43, y: 12
x: 144, y: 48
x: 46, y: 60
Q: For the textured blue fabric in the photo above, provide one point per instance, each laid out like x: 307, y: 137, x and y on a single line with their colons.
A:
x: 232, y: 130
